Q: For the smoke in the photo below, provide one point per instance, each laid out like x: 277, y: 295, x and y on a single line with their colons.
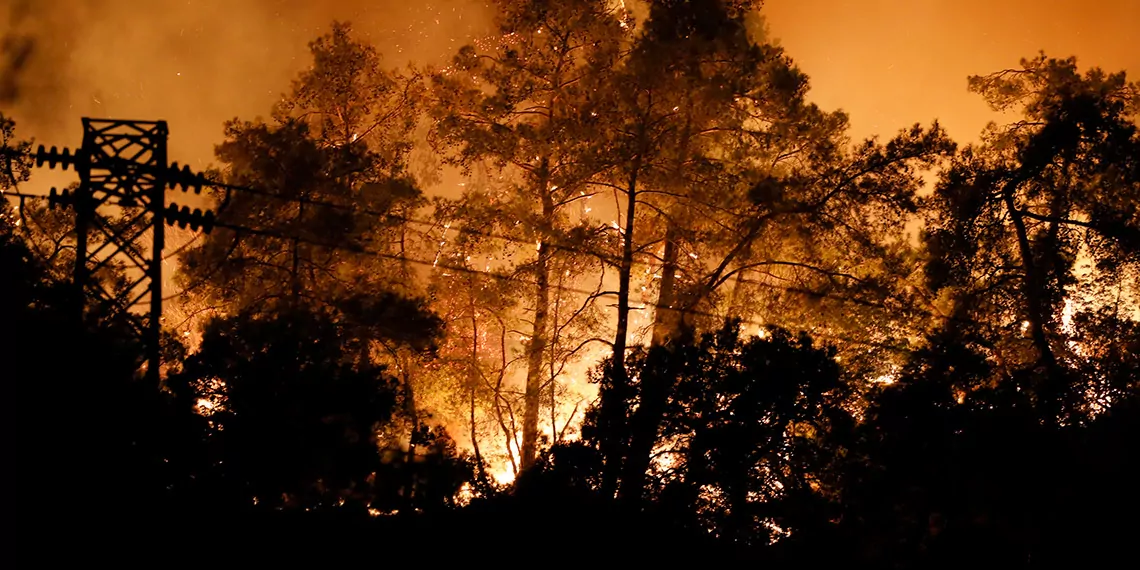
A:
x: 193, y: 63
x: 15, y: 51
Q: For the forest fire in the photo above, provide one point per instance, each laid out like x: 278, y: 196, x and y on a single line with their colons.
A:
x: 475, y: 274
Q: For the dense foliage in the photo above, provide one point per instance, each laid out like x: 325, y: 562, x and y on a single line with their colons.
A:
x: 675, y: 313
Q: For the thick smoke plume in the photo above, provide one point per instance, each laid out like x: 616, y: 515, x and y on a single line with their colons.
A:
x: 194, y: 63
x: 15, y: 52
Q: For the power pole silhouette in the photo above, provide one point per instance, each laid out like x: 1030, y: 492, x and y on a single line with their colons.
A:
x: 123, y: 164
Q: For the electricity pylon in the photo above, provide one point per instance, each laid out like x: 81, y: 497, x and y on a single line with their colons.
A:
x: 123, y: 164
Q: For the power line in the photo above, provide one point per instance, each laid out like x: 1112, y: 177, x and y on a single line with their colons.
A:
x: 463, y: 229
x: 361, y: 250
x: 190, y: 242
x: 202, y: 180
x: 407, y: 219
x: 124, y: 160
x: 458, y: 268
x: 205, y: 278
x: 21, y: 195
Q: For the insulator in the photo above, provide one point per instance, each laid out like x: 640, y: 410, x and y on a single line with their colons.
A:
x: 171, y: 214
x: 174, y: 177
x: 183, y: 178
x: 54, y: 199
x: 196, y: 220
x: 59, y: 198
x: 54, y: 156
x: 208, y: 221
x: 184, y: 216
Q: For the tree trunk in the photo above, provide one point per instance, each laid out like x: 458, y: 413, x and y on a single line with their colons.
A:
x: 295, y: 272
x: 736, y: 300
x: 536, y: 348
x: 655, y: 386
x: 667, y: 326
x: 410, y: 457
x: 473, y: 381
x: 615, y: 399
x: 624, y: 275
x: 1049, y: 393
x: 667, y: 320
x: 667, y: 317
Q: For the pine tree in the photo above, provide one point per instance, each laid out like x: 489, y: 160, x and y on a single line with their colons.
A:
x: 328, y: 172
x: 742, y: 174
x: 521, y: 106
x: 1036, y: 230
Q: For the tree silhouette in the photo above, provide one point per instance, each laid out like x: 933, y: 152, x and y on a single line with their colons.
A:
x: 521, y: 107
x: 1042, y: 215
x: 295, y: 407
x: 793, y: 380
x: 340, y: 138
x: 996, y: 437
x: 751, y: 425
x: 87, y: 434
x: 737, y: 175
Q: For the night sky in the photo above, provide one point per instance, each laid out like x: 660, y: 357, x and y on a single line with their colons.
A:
x: 197, y: 63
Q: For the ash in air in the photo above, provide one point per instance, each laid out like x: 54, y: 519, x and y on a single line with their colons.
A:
x: 521, y: 272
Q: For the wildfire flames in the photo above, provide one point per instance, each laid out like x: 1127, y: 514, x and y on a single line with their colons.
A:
x: 485, y: 421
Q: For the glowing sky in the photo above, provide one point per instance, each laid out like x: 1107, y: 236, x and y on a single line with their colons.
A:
x: 196, y: 63
x: 890, y: 63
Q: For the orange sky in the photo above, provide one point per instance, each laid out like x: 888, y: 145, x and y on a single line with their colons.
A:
x: 196, y: 63
x: 890, y: 63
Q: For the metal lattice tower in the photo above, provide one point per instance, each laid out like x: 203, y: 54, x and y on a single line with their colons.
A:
x: 123, y: 175
x: 127, y: 160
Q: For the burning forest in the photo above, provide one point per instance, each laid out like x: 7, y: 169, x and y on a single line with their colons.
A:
x: 525, y: 272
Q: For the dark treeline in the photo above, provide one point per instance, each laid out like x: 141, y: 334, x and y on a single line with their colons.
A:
x: 675, y: 314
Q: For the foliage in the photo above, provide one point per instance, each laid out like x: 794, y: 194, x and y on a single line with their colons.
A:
x: 15, y: 160
x: 792, y: 379
x: 346, y: 96
x: 521, y: 108
x: 954, y: 467
x: 750, y: 431
x: 329, y: 179
x: 1033, y: 229
x: 294, y: 406
x: 86, y: 434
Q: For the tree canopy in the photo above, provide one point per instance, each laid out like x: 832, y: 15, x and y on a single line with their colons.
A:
x: 675, y: 311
